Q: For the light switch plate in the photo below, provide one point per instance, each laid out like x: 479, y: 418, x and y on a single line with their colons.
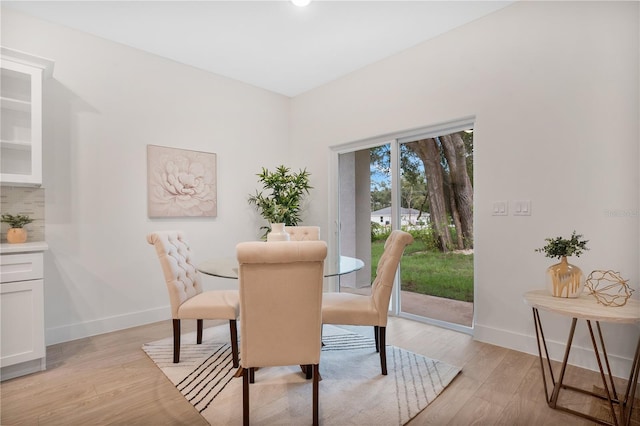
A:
x: 500, y: 208
x: 522, y: 208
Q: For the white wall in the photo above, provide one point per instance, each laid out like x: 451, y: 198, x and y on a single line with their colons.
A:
x: 554, y: 89
x: 105, y: 103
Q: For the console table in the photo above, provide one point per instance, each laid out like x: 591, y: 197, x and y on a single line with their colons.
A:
x: 588, y: 309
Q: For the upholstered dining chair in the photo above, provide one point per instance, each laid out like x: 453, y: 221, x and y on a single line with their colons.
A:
x: 187, y: 298
x: 280, y: 287
x: 303, y: 233
x: 356, y: 309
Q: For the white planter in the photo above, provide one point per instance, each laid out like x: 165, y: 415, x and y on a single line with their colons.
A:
x: 277, y: 233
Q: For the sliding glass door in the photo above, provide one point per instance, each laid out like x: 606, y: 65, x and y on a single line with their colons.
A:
x: 422, y: 183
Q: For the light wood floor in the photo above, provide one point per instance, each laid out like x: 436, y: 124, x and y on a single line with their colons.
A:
x: 108, y: 379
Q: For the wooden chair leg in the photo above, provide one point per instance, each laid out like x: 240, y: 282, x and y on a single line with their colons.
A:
x: 316, y: 381
x: 199, y: 332
x: 383, y: 349
x: 245, y: 396
x: 308, y: 371
x: 176, y: 340
x: 233, y: 329
x: 375, y: 336
x: 252, y: 375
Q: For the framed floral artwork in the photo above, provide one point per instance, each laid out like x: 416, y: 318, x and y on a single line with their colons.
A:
x: 181, y: 182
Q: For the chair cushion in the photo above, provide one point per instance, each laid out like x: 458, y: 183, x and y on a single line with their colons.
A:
x: 219, y: 304
x: 349, y: 309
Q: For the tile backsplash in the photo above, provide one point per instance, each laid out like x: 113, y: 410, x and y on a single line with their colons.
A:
x: 23, y: 200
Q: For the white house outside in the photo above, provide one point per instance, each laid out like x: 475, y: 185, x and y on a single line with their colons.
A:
x: 407, y: 217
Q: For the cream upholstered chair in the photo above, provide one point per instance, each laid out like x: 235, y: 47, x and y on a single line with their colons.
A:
x: 303, y: 233
x: 280, y: 309
x: 356, y: 309
x: 188, y: 300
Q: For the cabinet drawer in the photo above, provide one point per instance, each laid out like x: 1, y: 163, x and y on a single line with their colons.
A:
x: 21, y: 267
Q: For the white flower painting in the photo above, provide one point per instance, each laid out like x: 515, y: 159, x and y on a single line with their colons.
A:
x: 181, y: 182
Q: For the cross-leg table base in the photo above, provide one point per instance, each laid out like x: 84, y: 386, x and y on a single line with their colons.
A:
x: 621, y: 406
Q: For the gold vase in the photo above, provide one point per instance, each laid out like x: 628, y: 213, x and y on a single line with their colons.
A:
x: 16, y: 235
x: 565, y: 279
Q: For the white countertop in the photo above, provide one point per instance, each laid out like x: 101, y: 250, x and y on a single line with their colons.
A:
x: 6, y: 248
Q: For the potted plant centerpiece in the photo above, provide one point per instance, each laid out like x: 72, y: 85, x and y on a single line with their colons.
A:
x: 564, y: 279
x: 280, y: 201
x: 16, y: 232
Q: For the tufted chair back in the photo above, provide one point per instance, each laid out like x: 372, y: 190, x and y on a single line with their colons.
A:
x: 386, y: 271
x: 303, y: 233
x: 280, y: 309
x: 280, y: 301
x: 180, y: 273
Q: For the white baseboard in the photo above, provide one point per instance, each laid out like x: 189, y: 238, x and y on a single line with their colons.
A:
x: 76, y: 331
x: 579, y: 356
x: 23, y: 368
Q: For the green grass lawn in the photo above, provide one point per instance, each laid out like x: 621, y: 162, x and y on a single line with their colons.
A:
x: 447, y: 275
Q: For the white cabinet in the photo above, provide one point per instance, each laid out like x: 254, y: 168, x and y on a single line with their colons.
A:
x: 21, y: 116
x: 22, y: 342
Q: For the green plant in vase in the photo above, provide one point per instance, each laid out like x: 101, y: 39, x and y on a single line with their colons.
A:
x: 564, y: 279
x: 280, y: 200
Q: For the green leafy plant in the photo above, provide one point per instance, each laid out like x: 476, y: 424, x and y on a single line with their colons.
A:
x: 564, y: 247
x: 281, y: 196
x: 17, y: 221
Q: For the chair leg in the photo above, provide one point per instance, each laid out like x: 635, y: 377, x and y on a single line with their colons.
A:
x: 233, y: 329
x: 199, y: 332
x: 375, y: 336
x: 383, y: 350
x: 245, y: 396
x: 176, y: 341
x: 246, y: 379
x: 316, y: 381
x: 308, y: 371
x: 252, y: 375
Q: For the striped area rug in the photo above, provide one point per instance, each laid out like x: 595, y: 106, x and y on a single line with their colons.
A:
x: 352, y: 390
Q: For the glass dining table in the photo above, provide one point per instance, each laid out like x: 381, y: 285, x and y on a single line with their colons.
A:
x: 228, y: 267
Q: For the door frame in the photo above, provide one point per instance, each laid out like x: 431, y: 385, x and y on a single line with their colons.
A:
x: 394, y: 139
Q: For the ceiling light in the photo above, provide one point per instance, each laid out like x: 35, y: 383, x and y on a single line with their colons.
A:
x: 301, y: 3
